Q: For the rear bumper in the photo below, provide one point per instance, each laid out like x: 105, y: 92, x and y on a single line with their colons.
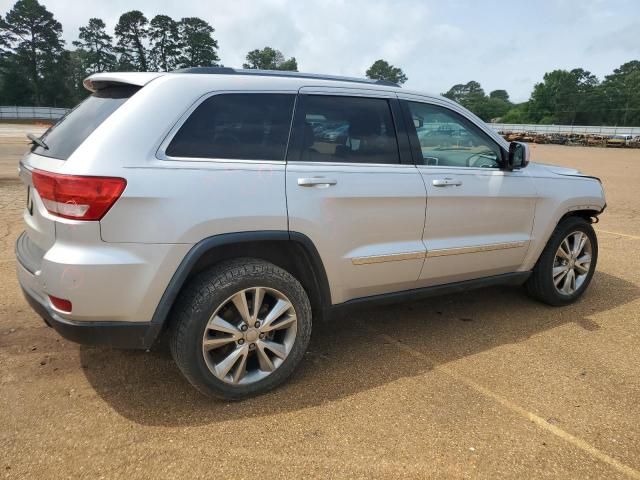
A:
x: 135, y: 335
x: 102, y: 301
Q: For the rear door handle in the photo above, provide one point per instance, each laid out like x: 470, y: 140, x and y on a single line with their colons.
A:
x: 316, y: 182
x: 446, y: 182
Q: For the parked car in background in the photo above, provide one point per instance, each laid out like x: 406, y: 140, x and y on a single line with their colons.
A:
x: 619, y: 140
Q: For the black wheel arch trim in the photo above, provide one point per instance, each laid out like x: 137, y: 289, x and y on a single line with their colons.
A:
x: 202, y: 247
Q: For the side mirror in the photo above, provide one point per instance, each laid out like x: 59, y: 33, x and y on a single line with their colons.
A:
x: 418, y: 122
x: 518, y: 155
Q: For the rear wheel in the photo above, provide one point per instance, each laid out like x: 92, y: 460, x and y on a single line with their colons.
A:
x: 566, y: 265
x: 241, y: 328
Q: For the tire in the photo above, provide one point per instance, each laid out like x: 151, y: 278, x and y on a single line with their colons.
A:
x: 541, y: 285
x: 218, y: 291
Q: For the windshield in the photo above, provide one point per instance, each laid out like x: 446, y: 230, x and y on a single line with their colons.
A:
x: 70, y: 131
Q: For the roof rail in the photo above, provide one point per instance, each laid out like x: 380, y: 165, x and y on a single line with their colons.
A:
x: 280, y: 73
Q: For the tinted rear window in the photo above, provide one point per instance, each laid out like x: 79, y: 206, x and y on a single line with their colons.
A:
x: 344, y: 129
x: 71, y: 130
x: 247, y: 126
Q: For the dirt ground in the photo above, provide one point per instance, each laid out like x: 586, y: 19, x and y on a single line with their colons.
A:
x: 489, y: 384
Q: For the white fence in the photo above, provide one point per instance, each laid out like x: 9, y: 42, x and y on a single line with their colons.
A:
x: 513, y: 127
x: 32, y: 113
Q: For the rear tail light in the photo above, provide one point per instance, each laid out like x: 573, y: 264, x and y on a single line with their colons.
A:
x: 61, y: 304
x: 77, y: 197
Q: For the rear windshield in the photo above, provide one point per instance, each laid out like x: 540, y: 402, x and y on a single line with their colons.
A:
x: 71, y: 130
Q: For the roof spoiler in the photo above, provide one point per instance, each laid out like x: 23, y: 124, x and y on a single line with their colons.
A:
x: 98, y: 81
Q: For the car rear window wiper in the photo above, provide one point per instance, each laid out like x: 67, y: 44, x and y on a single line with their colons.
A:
x: 37, y: 140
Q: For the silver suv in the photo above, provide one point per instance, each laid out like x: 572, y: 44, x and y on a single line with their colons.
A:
x: 228, y: 208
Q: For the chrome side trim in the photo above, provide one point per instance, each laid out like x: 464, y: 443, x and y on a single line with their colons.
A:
x: 393, y: 257
x: 442, y: 252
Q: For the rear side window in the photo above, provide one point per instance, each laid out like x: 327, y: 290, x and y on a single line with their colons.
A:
x: 70, y: 131
x: 246, y: 126
x: 344, y: 129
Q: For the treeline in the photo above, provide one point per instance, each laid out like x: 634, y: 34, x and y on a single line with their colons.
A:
x: 37, y: 69
x: 574, y: 97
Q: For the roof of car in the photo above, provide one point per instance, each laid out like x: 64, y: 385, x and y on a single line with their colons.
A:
x: 98, y: 81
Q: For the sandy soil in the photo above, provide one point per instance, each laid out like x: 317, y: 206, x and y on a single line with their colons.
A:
x: 488, y: 384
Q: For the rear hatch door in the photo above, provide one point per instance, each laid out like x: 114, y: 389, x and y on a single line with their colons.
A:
x: 50, y: 152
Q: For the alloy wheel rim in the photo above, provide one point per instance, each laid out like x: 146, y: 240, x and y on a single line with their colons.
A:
x: 249, y: 335
x: 572, y: 263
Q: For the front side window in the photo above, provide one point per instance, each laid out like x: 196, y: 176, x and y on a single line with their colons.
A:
x: 244, y: 126
x: 344, y: 129
x: 446, y: 139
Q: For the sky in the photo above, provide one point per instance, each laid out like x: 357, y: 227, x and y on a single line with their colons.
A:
x: 438, y: 43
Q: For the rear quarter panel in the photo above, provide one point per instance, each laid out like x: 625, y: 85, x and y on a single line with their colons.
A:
x: 177, y: 201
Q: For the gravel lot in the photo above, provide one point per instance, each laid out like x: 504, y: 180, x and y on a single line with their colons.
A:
x: 488, y: 384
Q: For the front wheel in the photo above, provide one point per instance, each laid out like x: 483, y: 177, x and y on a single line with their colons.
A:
x: 565, y: 267
x: 241, y: 328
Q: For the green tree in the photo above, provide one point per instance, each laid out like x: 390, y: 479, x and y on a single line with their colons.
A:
x: 498, y: 104
x: 382, y: 70
x: 131, y: 32
x: 270, y: 59
x: 4, y: 40
x: 4, y: 52
x: 500, y: 95
x: 32, y: 51
x: 563, y: 97
x: 96, y: 47
x: 495, y: 108
x: 517, y: 114
x: 164, y: 39
x: 620, y: 95
x: 65, y: 89
x: 464, y: 93
x: 199, y: 48
x: 471, y: 95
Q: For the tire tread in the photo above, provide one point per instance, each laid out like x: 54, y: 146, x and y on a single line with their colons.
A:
x: 540, y: 285
x: 196, y: 296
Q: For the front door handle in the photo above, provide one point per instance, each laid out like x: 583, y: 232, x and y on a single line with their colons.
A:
x: 316, y: 182
x: 446, y: 182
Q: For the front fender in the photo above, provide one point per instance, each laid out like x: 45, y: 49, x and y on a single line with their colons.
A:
x: 559, y: 196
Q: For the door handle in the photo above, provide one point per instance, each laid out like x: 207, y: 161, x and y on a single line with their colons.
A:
x: 446, y: 182
x: 316, y: 182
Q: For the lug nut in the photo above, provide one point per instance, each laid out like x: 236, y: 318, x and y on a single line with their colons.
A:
x: 257, y: 325
x: 241, y: 341
x: 244, y: 327
x: 261, y: 336
x: 252, y: 346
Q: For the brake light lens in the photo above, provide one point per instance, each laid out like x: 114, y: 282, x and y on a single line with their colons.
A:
x: 61, y: 304
x: 76, y: 196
